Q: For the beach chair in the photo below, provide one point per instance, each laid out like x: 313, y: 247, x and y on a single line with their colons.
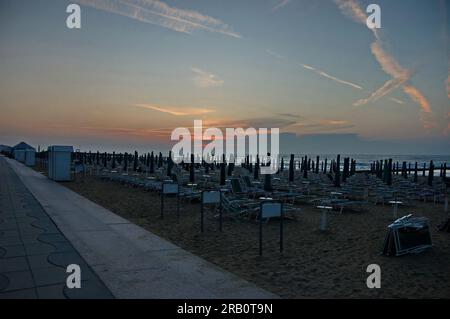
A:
x: 238, y: 207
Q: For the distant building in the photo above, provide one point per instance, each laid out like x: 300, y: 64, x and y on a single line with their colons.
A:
x: 24, y: 153
x: 23, y: 146
x: 4, y: 149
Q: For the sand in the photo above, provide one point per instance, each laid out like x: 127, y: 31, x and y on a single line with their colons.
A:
x: 313, y: 265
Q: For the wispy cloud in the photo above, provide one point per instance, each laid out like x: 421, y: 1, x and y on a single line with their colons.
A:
x: 389, y: 65
x: 387, y: 87
x: 418, y: 97
x: 159, y: 13
x: 328, y: 76
x: 294, y: 116
x: 274, y: 54
x: 352, y: 9
x: 177, y: 111
x: 205, y: 79
x: 448, y: 84
x: 398, y: 101
x: 281, y: 4
x: 321, y: 126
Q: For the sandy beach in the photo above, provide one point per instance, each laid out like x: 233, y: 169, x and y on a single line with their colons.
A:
x: 314, y: 264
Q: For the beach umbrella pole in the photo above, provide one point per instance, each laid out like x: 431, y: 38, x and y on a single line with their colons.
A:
x: 446, y: 204
x: 220, y: 213
x: 162, y: 205
x: 201, y: 216
x: 324, y: 220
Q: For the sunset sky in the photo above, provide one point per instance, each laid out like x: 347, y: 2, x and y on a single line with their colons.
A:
x: 139, y: 68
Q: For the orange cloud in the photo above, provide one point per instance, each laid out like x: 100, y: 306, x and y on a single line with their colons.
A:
x: 417, y: 96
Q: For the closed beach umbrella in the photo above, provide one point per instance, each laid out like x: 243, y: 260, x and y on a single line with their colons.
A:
x: 317, y: 164
x: 152, y: 163
x: 415, y: 173
x: 291, y: 169
x: 305, y: 167
x: 169, y: 164
x: 430, y: 174
x: 337, y: 174
x: 113, y: 160
x: 135, y: 162
x: 389, y: 176
x: 125, y: 161
x: 346, y: 169
x: 160, y: 160
x: 222, y: 173
x: 404, y: 173
x: 191, y: 170
x: 256, y: 172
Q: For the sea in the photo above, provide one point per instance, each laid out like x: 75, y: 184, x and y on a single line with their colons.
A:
x: 363, y: 161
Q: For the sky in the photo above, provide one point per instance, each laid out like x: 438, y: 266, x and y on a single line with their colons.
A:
x: 137, y: 69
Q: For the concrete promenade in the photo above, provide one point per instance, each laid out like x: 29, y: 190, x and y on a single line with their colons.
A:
x: 130, y: 261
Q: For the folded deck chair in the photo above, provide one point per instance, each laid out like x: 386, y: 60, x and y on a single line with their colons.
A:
x: 445, y: 226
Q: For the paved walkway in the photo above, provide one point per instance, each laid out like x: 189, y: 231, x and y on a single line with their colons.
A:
x: 132, y: 262
x: 34, y: 254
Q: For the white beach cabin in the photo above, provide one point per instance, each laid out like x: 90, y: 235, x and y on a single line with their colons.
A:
x: 24, y: 153
x: 19, y: 155
x: 30, y: 157
x: 59, y: 162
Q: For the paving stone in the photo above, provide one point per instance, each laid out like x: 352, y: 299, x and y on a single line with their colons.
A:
x: 52, y: 238
x: 37, y: 214
x: 13, y: 264
x: 25, y: 220
x: 10, y: 232
x: 91, y: 289
x: 20, y: 294
x: 30, y: 230
x: 40, y: 261
x: 48, y: 227
x: 63, y: 247
x: 66, y: 258
x: 6, y: 215
x: 51, y: 292
x: 12, y: 251
x: 19, y: 280
x: 39, y: 248
x: 30, y: 239
x: 9, y: 241
x: 8, y: 226
x: 4, y: 282
x: 49, y: 276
